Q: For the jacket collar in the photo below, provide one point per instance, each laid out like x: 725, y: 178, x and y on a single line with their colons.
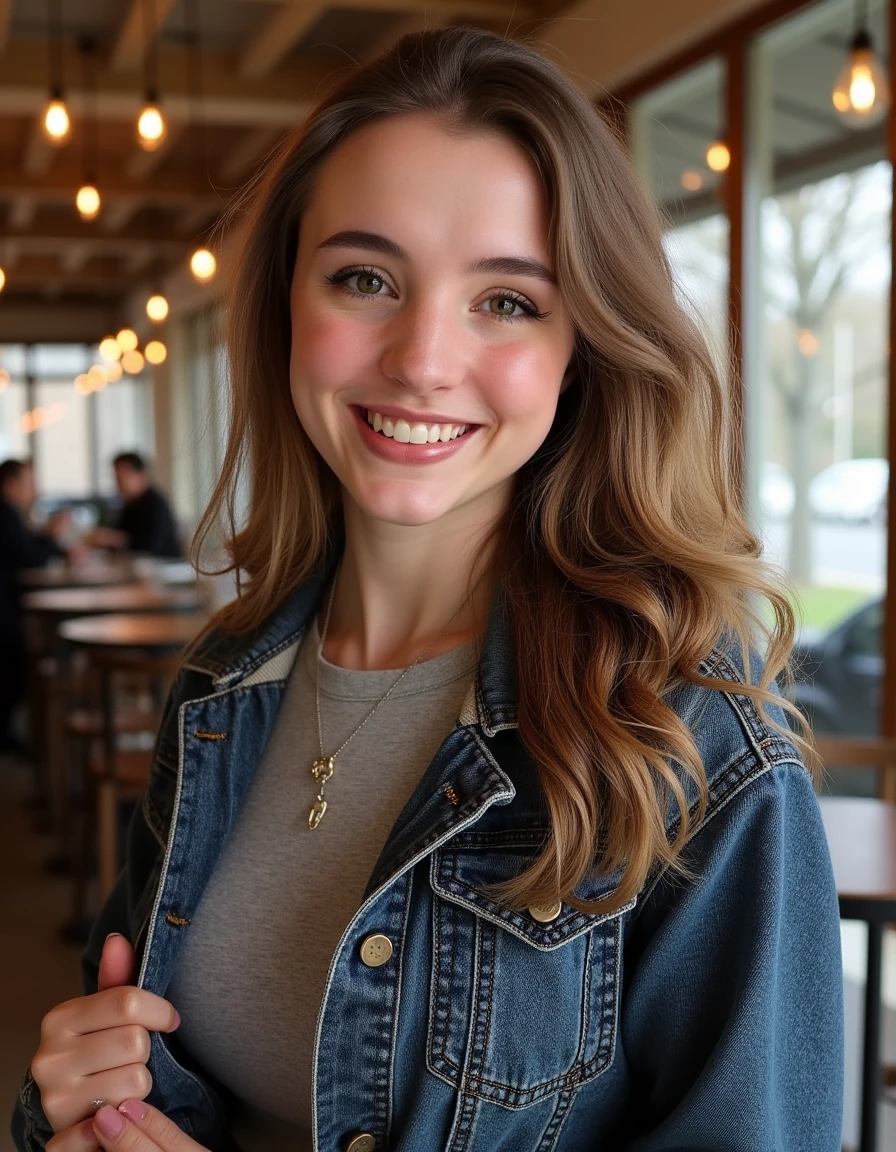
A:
x: 230, y: 658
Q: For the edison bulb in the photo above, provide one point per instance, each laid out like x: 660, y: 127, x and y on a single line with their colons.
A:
x: 88, y: 202
x: 132, y: 361
x: 109, y: 349
x: 2, y: 279
x: 861, y: 94
x: 57, y: 123
x: 156, y: 352
x: 157, y: 307
x: 203, y: 265
x: 126, y: 339
x: 151, y: 127
x: 718, y: 157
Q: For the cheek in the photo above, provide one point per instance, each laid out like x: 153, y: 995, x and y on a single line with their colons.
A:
x: 522, y: 383
x: 327, y: 348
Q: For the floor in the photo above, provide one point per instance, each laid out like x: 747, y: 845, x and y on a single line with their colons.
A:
x: 41, y: 971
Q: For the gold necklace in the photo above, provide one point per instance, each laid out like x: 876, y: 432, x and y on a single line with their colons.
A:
x: 324, y: 766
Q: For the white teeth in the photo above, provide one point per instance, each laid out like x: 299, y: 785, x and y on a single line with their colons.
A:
x: 406, y: 433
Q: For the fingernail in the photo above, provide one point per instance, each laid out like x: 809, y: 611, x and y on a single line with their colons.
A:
x: 108, y: 1121
x: 176, y: 1023
x: 109, y: 937
x: 133, y: 1109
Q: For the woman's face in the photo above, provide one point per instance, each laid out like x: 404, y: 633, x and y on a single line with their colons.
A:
x: 423, y: 303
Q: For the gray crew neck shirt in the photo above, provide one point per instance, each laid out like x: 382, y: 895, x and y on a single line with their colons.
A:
x: 251, y: 972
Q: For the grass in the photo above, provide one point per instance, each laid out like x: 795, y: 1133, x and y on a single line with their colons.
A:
x: 820, y: 608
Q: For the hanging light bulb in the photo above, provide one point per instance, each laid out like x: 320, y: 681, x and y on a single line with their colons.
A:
x: 861, y: 93
x: 203, y: 265
x: 132, y: 361
x: 2, y: 279
x: 151, y: 126
x: 87, y: 201
x: 718, y: 156
x: 56, y: 122
x: 156, y: 352
x: 126, y: 339
x: 157, y: 307
x: 109, y: 349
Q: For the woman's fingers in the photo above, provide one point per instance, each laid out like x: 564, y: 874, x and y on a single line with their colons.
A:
x: 111, y: 1048
x: 112, y: 1087
x: 112, y: 1008
x: 77, y: 1138
x: 136, y: 1127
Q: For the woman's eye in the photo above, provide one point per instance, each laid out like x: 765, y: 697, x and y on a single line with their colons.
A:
x: 359, y: 281
x: 368, y: 283
x: 503, y: 305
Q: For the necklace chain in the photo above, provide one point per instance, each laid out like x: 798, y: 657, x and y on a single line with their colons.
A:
x: 324, y: 766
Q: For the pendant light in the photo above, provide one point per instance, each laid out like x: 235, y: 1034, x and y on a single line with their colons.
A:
x: 151, y: 126
x: 55, y: 122
x: 157, y: 307
x: 203, y: 264
x: 87, y: 198
x: 861, y: 93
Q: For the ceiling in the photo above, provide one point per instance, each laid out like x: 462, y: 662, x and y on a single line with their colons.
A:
x: 262, y: 62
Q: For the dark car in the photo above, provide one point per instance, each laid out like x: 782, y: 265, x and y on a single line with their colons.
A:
x: 839, y: 677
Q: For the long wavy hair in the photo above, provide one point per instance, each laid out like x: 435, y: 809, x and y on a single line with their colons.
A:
x: 624, y: 557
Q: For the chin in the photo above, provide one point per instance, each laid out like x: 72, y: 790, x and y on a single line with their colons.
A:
x: 405, y: 508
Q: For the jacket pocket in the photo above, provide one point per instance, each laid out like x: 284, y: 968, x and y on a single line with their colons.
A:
x: 519, y: 1010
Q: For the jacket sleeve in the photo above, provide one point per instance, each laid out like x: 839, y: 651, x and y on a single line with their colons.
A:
x: 732, y: 1021
x: 126, y: 911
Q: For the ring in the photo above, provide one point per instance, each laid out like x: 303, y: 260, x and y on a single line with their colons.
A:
x: 97, y: 1104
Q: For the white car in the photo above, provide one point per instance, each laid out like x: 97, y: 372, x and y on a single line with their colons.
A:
x: 851, y: 490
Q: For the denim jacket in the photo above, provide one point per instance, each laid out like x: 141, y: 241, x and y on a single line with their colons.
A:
x: 704, y: 1015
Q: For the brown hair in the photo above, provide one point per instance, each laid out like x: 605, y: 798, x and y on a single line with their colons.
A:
x: 624, y: 557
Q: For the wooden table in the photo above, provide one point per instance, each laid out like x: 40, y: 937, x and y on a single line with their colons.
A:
x: 61, y: 603
x: 862, y: 839
x: 147, y: 643
x: 80, y: 576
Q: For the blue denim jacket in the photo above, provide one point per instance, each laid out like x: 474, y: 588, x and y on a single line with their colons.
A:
x: 706, y: 1014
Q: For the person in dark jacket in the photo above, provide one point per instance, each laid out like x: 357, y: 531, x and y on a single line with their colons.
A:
x: 20, y: 548
x: 146, y: 523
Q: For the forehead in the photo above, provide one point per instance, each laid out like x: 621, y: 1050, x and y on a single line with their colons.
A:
x: 470, y: 195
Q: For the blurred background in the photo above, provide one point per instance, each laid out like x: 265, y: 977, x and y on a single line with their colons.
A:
x: 763, y: 131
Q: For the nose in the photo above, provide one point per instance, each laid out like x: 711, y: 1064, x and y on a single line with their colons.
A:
x: 425, y: 348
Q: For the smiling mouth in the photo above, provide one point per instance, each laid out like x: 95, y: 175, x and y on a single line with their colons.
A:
x: 410, y: 432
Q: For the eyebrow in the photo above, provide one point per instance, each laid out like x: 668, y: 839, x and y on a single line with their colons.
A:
x: 503, y: 265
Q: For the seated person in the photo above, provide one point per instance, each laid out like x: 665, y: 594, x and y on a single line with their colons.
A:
x: 146, y: 522
x: 20, y: 547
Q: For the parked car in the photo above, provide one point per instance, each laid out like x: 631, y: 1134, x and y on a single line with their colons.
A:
x: 853, y: 490
x: 839, y: 677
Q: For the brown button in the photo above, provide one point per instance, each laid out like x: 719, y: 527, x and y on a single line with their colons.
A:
x: 363, y: 1143
x: 545, y: 915
x: 376, y: 950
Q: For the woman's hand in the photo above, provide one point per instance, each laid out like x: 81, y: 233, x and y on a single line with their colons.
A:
x: 96, y: 1047
x: 136, y: 1127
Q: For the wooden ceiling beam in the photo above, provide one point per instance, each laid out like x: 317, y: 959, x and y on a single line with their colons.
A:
x: 117, y: 215
x: 130, y: 46
x: 22, y: 211
x: 57, y: 187
x: 252, y: 146
x: 141, y: 165
x: 39, y: 152
x: 60, y: 230
x: 5, y: 21
x: 277, y: 37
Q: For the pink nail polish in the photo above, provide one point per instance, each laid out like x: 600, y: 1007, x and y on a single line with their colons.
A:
x: 134, y: 1110
x: 107, y: 1121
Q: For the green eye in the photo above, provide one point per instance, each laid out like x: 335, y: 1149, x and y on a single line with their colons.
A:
x: 502, y: 305
x: 369, y: 283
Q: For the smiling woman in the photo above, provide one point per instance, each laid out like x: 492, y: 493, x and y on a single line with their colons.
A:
x: 475, y: 821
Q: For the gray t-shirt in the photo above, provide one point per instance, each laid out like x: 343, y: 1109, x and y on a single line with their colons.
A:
x: 251, y: 972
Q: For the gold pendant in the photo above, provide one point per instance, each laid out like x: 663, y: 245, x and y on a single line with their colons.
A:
x: 322, y: 769
x: 318, y: 808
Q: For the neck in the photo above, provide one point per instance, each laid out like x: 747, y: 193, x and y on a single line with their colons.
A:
x: 399, y: 586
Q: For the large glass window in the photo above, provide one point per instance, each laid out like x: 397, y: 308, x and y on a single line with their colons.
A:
x: 678, y: 144
x: 817, y: 388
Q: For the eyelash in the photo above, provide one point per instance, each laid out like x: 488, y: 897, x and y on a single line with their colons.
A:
x: 530, y: 312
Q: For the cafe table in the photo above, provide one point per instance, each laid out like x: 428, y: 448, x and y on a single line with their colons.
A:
x: 90, y: 575
x: 861, y: 835
x: 150, y: 644
x: 45, y: 610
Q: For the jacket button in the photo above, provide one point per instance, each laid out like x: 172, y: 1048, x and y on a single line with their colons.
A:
x: 547, y: 914
x: 375, y: 950
x: 363, y: 1143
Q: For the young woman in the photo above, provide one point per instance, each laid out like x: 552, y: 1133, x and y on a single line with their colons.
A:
x: 474, y: 823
